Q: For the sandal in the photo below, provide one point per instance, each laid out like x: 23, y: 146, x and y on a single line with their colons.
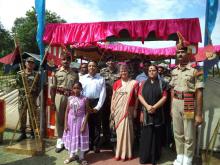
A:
x: 71, y: 159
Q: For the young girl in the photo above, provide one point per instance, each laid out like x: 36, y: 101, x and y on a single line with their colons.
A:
x: 76, y: 132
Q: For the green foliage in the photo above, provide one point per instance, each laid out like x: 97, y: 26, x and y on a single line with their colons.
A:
x: 6, y: 41
x: 25, y: 29
x: 161, y: 61
x: 52, y: 17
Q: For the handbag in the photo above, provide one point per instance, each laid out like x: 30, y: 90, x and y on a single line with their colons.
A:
x: 113, y: 136
x: 112, y: 122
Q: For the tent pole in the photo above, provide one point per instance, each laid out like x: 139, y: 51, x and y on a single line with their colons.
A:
x: 213, y: 71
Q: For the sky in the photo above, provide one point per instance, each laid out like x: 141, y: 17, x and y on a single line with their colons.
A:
x: 115, y: 10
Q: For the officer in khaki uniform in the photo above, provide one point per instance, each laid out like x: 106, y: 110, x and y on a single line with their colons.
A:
x: 110, y: 74
x: 29, y: 75
x: 62, y: 81
x: 186, y: 96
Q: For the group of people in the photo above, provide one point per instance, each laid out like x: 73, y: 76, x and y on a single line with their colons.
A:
x: 128, y: 102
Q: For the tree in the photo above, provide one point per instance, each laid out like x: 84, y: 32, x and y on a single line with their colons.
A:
x: 25, y: 29
x: 6, y: 41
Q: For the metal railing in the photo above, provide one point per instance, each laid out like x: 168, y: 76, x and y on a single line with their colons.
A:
x: 7, y: 81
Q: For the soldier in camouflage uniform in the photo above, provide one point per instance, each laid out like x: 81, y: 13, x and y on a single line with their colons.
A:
x: 134, y: 68
x: 62, y: 81
x: 29, y: 75
x: 186, y: 96
x: 110, y: 75
x: 164, y: 72
x: 168, y: 140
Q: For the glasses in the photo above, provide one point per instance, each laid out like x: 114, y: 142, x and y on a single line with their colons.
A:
x: 30, y: 62
x: 152, y: 70
x: 76, y: 88
x: 180, y: 51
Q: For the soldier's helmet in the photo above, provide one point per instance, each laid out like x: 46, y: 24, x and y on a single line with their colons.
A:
x: 163, y: 65
x: 29, y: 59
x: 109, y: 58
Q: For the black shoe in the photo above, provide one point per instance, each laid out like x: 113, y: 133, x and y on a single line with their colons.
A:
x: 105, y: 141
x: 32, y: 136
x: 58, y: 150
x: 96, y: 150
x: 21, y: 137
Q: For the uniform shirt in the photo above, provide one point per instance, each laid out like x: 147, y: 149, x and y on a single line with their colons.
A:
x: 64, y: 78
x: 167, y: 78
x: 109, y: 76
x: 141, y: 77
x: 29, y: 77
x: 94, y: 88
x: 185, y: 79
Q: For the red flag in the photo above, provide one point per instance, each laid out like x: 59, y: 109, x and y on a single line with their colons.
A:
x: 10, y: 58
x: 205, y: 53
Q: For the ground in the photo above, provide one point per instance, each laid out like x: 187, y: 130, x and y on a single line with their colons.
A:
x: 52, y: 158
x: 106, y: 156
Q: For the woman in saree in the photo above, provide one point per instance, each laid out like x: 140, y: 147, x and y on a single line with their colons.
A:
x: 124, y: 101
x: 152, y: 95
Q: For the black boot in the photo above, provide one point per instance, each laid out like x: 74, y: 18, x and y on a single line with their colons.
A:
x: 32, y: 135
x: 21, y: 137
x: 58, y: 150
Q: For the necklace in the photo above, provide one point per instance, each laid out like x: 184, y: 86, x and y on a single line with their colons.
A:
x: 75, y: 108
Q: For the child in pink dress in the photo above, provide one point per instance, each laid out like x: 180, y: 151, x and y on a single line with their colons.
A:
x: 76, y: 132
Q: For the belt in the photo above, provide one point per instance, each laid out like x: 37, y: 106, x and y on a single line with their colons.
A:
x: 183, y: 95
x: 63, y: 91
x: 93, y: 102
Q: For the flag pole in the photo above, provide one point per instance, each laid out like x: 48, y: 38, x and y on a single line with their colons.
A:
x: 206, y: 38
x: 42, y: 104
x: 40, y: 12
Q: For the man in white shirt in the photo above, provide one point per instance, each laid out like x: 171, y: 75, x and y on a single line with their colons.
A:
x: 94, y: 89
x: 143, y: 76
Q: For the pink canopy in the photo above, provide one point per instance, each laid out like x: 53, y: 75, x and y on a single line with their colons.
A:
x: 122, y: 51
x: 164, y: 29
x: 155, y: 53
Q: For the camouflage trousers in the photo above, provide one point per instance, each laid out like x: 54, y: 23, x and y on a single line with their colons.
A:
x: 23, y: 110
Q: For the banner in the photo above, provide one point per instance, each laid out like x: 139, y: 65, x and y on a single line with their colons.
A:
x: 11, y: 58
x: 40, y: 11
x: 210, y: 19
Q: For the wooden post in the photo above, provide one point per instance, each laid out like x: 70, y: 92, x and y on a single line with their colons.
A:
x: 42, y: 109
x: 213, y: 71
